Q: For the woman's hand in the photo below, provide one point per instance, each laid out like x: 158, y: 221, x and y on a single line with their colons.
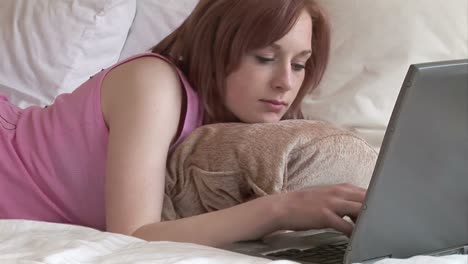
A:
x: 321, y: 207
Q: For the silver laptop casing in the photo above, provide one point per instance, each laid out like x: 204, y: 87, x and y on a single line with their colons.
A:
x: 417, y: 201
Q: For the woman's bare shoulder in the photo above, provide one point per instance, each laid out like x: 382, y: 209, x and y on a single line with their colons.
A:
x: 144, y: 80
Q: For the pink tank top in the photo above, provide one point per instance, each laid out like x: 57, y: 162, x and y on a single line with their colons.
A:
x: 53, y: 159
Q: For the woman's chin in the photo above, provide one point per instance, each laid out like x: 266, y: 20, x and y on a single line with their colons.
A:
x: 263, y: 118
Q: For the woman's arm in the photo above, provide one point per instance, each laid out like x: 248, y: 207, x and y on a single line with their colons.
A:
x: 246, y: 221
x: 141, y: 105
x: 312, y: 208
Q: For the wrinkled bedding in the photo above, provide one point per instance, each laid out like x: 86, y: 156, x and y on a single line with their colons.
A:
x: 24, y: 241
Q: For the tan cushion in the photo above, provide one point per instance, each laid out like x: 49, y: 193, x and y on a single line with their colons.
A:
x: 222, y: 165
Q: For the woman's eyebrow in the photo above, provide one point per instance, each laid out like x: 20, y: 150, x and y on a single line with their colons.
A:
x: 302, y: 53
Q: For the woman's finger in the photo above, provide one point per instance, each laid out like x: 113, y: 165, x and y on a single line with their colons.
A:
x: 352, y: 193
x: 341, y: 225
x: 348, y: 208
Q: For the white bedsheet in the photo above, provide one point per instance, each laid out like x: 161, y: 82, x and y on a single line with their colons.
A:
x: 37, y: 242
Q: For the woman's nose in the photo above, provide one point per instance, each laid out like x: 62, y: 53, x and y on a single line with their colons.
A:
x: 282, y: 78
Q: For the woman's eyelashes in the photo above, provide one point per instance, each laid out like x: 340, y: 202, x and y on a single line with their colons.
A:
x: 267, y: 60
x: 264, y: 60
x: 298, y: 67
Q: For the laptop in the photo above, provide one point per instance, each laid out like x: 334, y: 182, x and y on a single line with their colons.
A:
x: 417, y: 200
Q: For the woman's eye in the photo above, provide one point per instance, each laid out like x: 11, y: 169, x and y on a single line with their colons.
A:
x: 264, y: 60
x: 298, y: 67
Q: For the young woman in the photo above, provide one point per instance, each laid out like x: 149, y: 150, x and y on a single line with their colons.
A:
x: 97, y: 157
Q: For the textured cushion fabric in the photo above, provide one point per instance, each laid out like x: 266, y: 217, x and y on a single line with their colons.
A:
x: 50, y: 47
x: 154, y: 20
x: 225, y: 164
x: 373, y: 44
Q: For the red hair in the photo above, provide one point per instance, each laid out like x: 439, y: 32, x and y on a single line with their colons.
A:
x: 210, y: 43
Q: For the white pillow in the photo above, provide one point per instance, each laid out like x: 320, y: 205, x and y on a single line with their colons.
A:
x: 50, y: 47
x: 154, y: 20
x: 373, y: 44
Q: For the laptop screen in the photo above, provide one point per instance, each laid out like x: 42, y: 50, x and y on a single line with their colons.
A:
x: 417, y: 202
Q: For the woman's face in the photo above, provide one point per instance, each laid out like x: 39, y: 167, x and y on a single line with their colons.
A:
x: 267, y: 81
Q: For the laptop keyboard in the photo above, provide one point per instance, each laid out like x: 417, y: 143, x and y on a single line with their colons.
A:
x: 325, y: 254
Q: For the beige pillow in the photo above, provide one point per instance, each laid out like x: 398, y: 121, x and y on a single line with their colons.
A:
x: 222, y: 165
x: 373, y: 44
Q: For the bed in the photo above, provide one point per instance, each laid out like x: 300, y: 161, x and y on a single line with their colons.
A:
x: 49, y: 47
x: 39, y: 242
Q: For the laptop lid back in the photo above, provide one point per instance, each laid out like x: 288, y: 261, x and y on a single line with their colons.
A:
x: 417, y: 201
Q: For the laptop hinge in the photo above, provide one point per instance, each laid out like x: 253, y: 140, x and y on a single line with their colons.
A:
x: 373, y: 260
x: 463, y: 250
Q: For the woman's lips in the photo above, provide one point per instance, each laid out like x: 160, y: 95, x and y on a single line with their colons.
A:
x: 274, y: 105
